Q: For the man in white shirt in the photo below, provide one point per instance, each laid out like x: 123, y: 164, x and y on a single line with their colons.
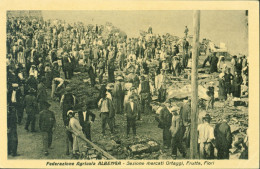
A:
x: 205, y: 138
x: 131, y: 111
x: 160, y: 85
x: 56, y: 82
x: 107, y: 113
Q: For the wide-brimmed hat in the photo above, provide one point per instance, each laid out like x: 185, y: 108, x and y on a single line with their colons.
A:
x: 69, y: 112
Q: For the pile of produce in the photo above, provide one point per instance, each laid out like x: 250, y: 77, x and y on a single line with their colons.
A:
x: 84, y: 92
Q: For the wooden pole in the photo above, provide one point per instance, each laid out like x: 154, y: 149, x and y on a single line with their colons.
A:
x: 194, y: 86
x: 104, y: 153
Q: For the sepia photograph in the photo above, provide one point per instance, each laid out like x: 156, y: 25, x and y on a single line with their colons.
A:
x: 131, y: 85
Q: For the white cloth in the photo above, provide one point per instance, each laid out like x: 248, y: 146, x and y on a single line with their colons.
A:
x: 103, y: 104
x: 13, y: 99
x: 84, y: 115
x: 132, y: 105
x: 206, y: 133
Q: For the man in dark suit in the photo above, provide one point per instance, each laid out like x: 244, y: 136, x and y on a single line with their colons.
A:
x: 165, y: 120
x: 14, y: 99
x: 185, y: 115
x: 12, y: 137
x: 131, y: 111
x: 31, y: 108
x: 85, y: 122
x: 223, y: 138
x: 213, y: 63
x: 46, y: 124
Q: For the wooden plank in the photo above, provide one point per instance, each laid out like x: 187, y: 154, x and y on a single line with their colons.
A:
x: 104, y: 153
x: 194, y: 86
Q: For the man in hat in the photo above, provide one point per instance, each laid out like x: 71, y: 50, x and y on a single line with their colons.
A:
x: 185, y: 45
x: 111, y: 71
x: 164, y: 118
x: 160, y: 85
x: 185, y: 115
x: 177, y: 134
x: 47, y: 124
x: 176, y: 65
x: 131, y: 111
x: 107, y: 113
x: 12, y: 138
x: 186, y: 31
x: 42, y: 93
x: 85, y: 121
x: 118, y: 95
x: 31, y: 82
x: 67, y: 65
x: 223, y: 137
x: 213, y: 63
x: 206, y: 138
x: 208, y: 58
x: 144, y: 92
x: 15, y: 99
x: 31, y: 108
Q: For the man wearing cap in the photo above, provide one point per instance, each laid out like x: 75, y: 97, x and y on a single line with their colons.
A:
x: 67, y: 65
x: 12, y: 138
x: 111, y: 70
x: 177, y: 134
x: 185, y: 45
x: 31, y: 108
x: 85, y: 121
x: 185, y: 115
x: 47, y: 123
x: 205, y: 138
x: 223, y: 137
x: 107, y: 113
x: 15, y: 99
x: 31, y: 82
x: 144, y: 92
x: 41, y: 94
x: 131, y: 111
x: 118, y: 93
x: 186, y: 31
x: 165, y: 122
x: 160, y: 85
x: 213, y: 63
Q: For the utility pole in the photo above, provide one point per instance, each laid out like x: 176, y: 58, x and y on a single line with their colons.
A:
x: 194, y: 86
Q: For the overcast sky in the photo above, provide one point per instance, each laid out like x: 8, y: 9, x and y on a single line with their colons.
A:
x: 219, y: 26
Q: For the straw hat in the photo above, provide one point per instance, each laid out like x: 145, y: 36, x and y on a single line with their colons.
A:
x: 70, y: 112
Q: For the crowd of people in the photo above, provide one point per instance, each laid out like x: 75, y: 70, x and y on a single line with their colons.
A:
x: 44, y: 55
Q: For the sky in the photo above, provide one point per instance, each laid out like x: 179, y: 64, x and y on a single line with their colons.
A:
x: 228, y: 27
